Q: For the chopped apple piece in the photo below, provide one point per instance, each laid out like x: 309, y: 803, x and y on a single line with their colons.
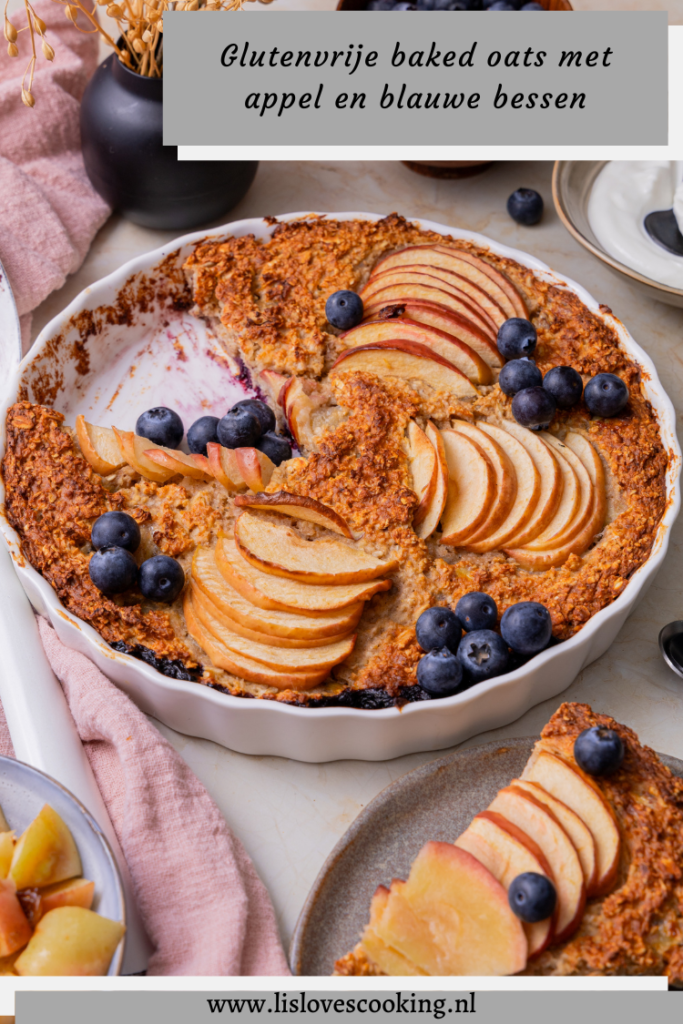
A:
x: 195, y: 466
x: 443, y: 319
x: 99, y: 447
x: 551, y: 482
x: 298, y: 506
x: 569, y: 784
x: 242, y: 666
x: 70, y: 941
x: 507, y: 851
x: 505, y: 479
x: 576, y: 829
x: 406, y: 360
x: 452, y: 917
x: 536, y: 819
x: 134, y: 448
x: 4, y: 827
x: 422, y: 462
x: 437, y: 502
x: 77, y: 892
x: 471, y: 488
x: 387, y: 959
x: 223, y: 466
x: 526, y: 498
x: 15, y: 930
x: 45, y: 853
x: 460, y: 286
x: 279, y: 594
x: 6, y: 852
x: 276, y: 549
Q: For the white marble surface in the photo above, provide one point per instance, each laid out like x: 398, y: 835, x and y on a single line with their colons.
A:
x: 290, y: 815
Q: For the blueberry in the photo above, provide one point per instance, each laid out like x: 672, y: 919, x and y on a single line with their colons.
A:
x: 380, y: 5
x: 501, y: 5
x: 439, y: 673
x: 533, y: 6
x: 201, y: 433
x: 599, y: 751
x: 438, y: 627
x: 525, y: 206
x: 526, y: 627
x: 263, y: 413
x: 519, y: 374
x: 115, y: 530
x: 532, y: 897
x: 344, y: 310
x: 483, y: 654
x: 565, y: 385
x: 516, y: 338
x: 161, y: 578
x: 476, y: 611
x: 161, y: 426
x: 239, y: 428
x: 113, y: 570
x: 402, y: 5
x: 606, y: 394
x: 278, y: 449
x: 534, y: 408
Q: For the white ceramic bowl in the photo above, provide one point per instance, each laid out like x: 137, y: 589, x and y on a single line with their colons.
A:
x: 122, y: 359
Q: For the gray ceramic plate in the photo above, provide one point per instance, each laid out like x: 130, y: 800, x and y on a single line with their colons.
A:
x: 23, y: 791
x: 436, y: 801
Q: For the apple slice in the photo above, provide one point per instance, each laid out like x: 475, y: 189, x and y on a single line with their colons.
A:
x: 471, y: 488
x: 507, y: 851
x: 437, y: 501
x: 195, y: 466
x: 442, y: 319
x: 77, y: 892
x: 291, y: 626
x: 551, y: 482
x: 15, y: 930
x: 45, y: 853
x: 244, y: 667
x: 71, y: 941
x: 6, y: 852
x: 452, y: 917
x: 278, y: 594
x: 446, y: 345
x: 460, y: 286
x: 223, y: 466
x: 298, y: 408
x: 505, y: 478
x: 99, y: 447
x: 422, y: 463
x: 407, y: 360
x: 134, y: 448
x: 585, y: 503
x: 423, y: 278
x: 272, y: 383
x: 567, y: 783
x: 429, y: 291
x: 276, y: 549
x: 255, y: 467
x: 298, y: 506
x: 528, y: 490
x: 538, y: 821
x: 576, y: 829
x: 567, y: 509
x: 387, y: 959
x: 518, y: 305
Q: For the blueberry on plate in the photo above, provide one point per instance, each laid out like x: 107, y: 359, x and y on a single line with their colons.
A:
x: 516, y: 338
x: 526, y: 627
x: 532, y: 897
x: 113, y: 570
x: 115, y: 530
x: 278, y: 449
x: 599, y: 751
x: 439, y: 673
x: 606, y: 394
x: 161, y: 426
x: 534, y: 408
x: 344, y: 310
x: 483, y: 654
x: 202, y: 432
x: 565, y: 385
x: 161, y: 578
x: 519, y: 374
x: 476, y: 611
x: 263, y: 413
x: 525, y: 206
x: 437, y: 628
x: 239, y: 428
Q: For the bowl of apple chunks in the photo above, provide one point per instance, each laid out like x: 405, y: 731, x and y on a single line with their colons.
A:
x: 62, y: 910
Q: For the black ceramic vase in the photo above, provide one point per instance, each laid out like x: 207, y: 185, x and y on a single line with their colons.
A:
x: 127, y: 163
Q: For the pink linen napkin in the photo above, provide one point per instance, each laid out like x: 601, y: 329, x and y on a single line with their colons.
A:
x: 204, y: 907
x: 49, y: 211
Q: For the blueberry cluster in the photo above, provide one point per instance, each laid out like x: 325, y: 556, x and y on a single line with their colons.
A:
x: 535, y: 398
x: 249, y: 424
x: 454, y: 5
x: 114, y: 570
x: 453, y: 662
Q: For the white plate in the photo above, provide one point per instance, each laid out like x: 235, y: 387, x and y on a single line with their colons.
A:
x: 23, y: 791
x: 110, y: 371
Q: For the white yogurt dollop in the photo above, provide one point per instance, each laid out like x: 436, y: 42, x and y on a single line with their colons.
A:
x: 623, y: 194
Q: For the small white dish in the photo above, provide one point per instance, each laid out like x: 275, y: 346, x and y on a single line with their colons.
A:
x: 127, y: 343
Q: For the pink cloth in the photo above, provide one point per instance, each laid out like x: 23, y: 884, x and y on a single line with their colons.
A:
x: 49, y: 211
